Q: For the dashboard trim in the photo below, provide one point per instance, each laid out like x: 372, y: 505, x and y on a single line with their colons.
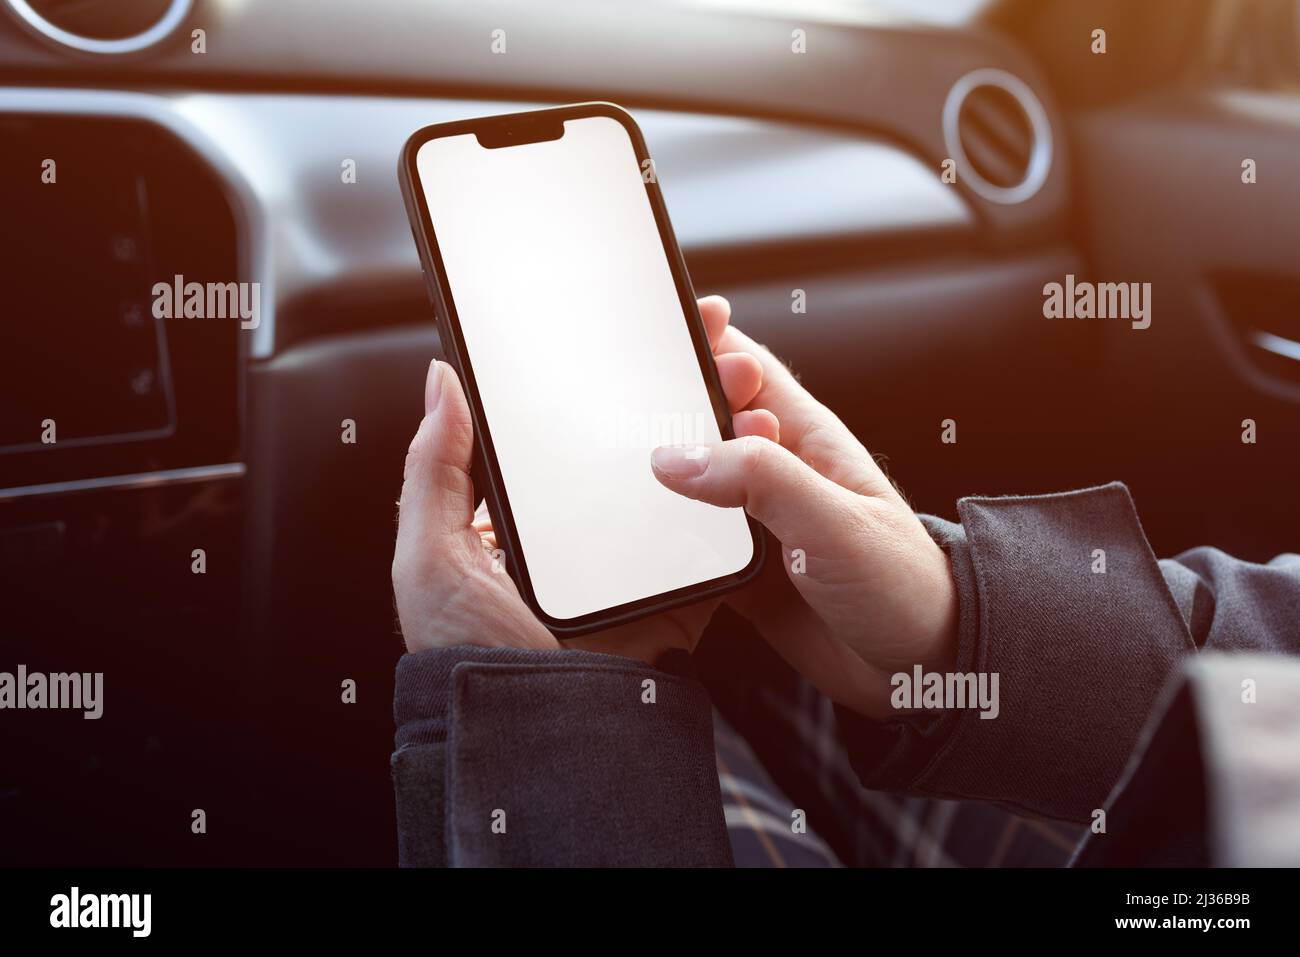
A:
x: 198, y: 473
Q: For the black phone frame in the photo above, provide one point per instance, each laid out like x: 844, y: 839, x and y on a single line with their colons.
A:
x: 503, y: 131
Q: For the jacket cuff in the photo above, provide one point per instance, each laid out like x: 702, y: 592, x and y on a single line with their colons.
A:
x: 535, y: 758
x: 1068, y: 607
x: 423, y: 684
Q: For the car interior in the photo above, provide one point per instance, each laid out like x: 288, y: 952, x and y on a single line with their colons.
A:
x: 199, y: 532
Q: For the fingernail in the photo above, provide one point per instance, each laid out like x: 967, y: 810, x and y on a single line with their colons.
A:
x: 433, y: 387
x: 680, y: 461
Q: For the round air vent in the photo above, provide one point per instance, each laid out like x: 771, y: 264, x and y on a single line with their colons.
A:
x: 998, y: 132
x: 102, y: 26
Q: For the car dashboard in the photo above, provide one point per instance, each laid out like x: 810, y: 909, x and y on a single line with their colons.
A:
x: 197, y: 510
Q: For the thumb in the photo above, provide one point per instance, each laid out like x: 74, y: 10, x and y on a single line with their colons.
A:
x: 437, y: 494
x: 774, y: 486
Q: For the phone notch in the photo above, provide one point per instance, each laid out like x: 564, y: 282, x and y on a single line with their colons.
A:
x: 520, y: 132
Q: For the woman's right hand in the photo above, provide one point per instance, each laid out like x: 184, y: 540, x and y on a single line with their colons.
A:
x: 861, y: 590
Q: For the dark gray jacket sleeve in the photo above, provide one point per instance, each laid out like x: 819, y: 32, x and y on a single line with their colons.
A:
x: 511, y: 757
x: 1061, y: 596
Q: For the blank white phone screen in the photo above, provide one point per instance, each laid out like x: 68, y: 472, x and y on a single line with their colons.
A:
x: 584, y: 362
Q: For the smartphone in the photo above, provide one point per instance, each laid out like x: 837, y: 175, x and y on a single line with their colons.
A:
x: 565, y: 306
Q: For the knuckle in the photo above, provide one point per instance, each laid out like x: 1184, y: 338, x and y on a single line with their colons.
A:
x: 398, y: 571
x: 415, y: 451
x: 755, y: 455
x: 461, y: 432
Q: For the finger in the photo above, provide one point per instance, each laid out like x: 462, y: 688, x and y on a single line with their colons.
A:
x: 482, y: 524
x: 437, y: 494
x: 775, y: 487
x: 759, y: 422
x: 781, y: 392
x: 741, y: 377
x: 716, y: 313
x: 809, y: 429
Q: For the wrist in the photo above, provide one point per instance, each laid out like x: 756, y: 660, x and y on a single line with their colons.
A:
x: 941, y: 627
